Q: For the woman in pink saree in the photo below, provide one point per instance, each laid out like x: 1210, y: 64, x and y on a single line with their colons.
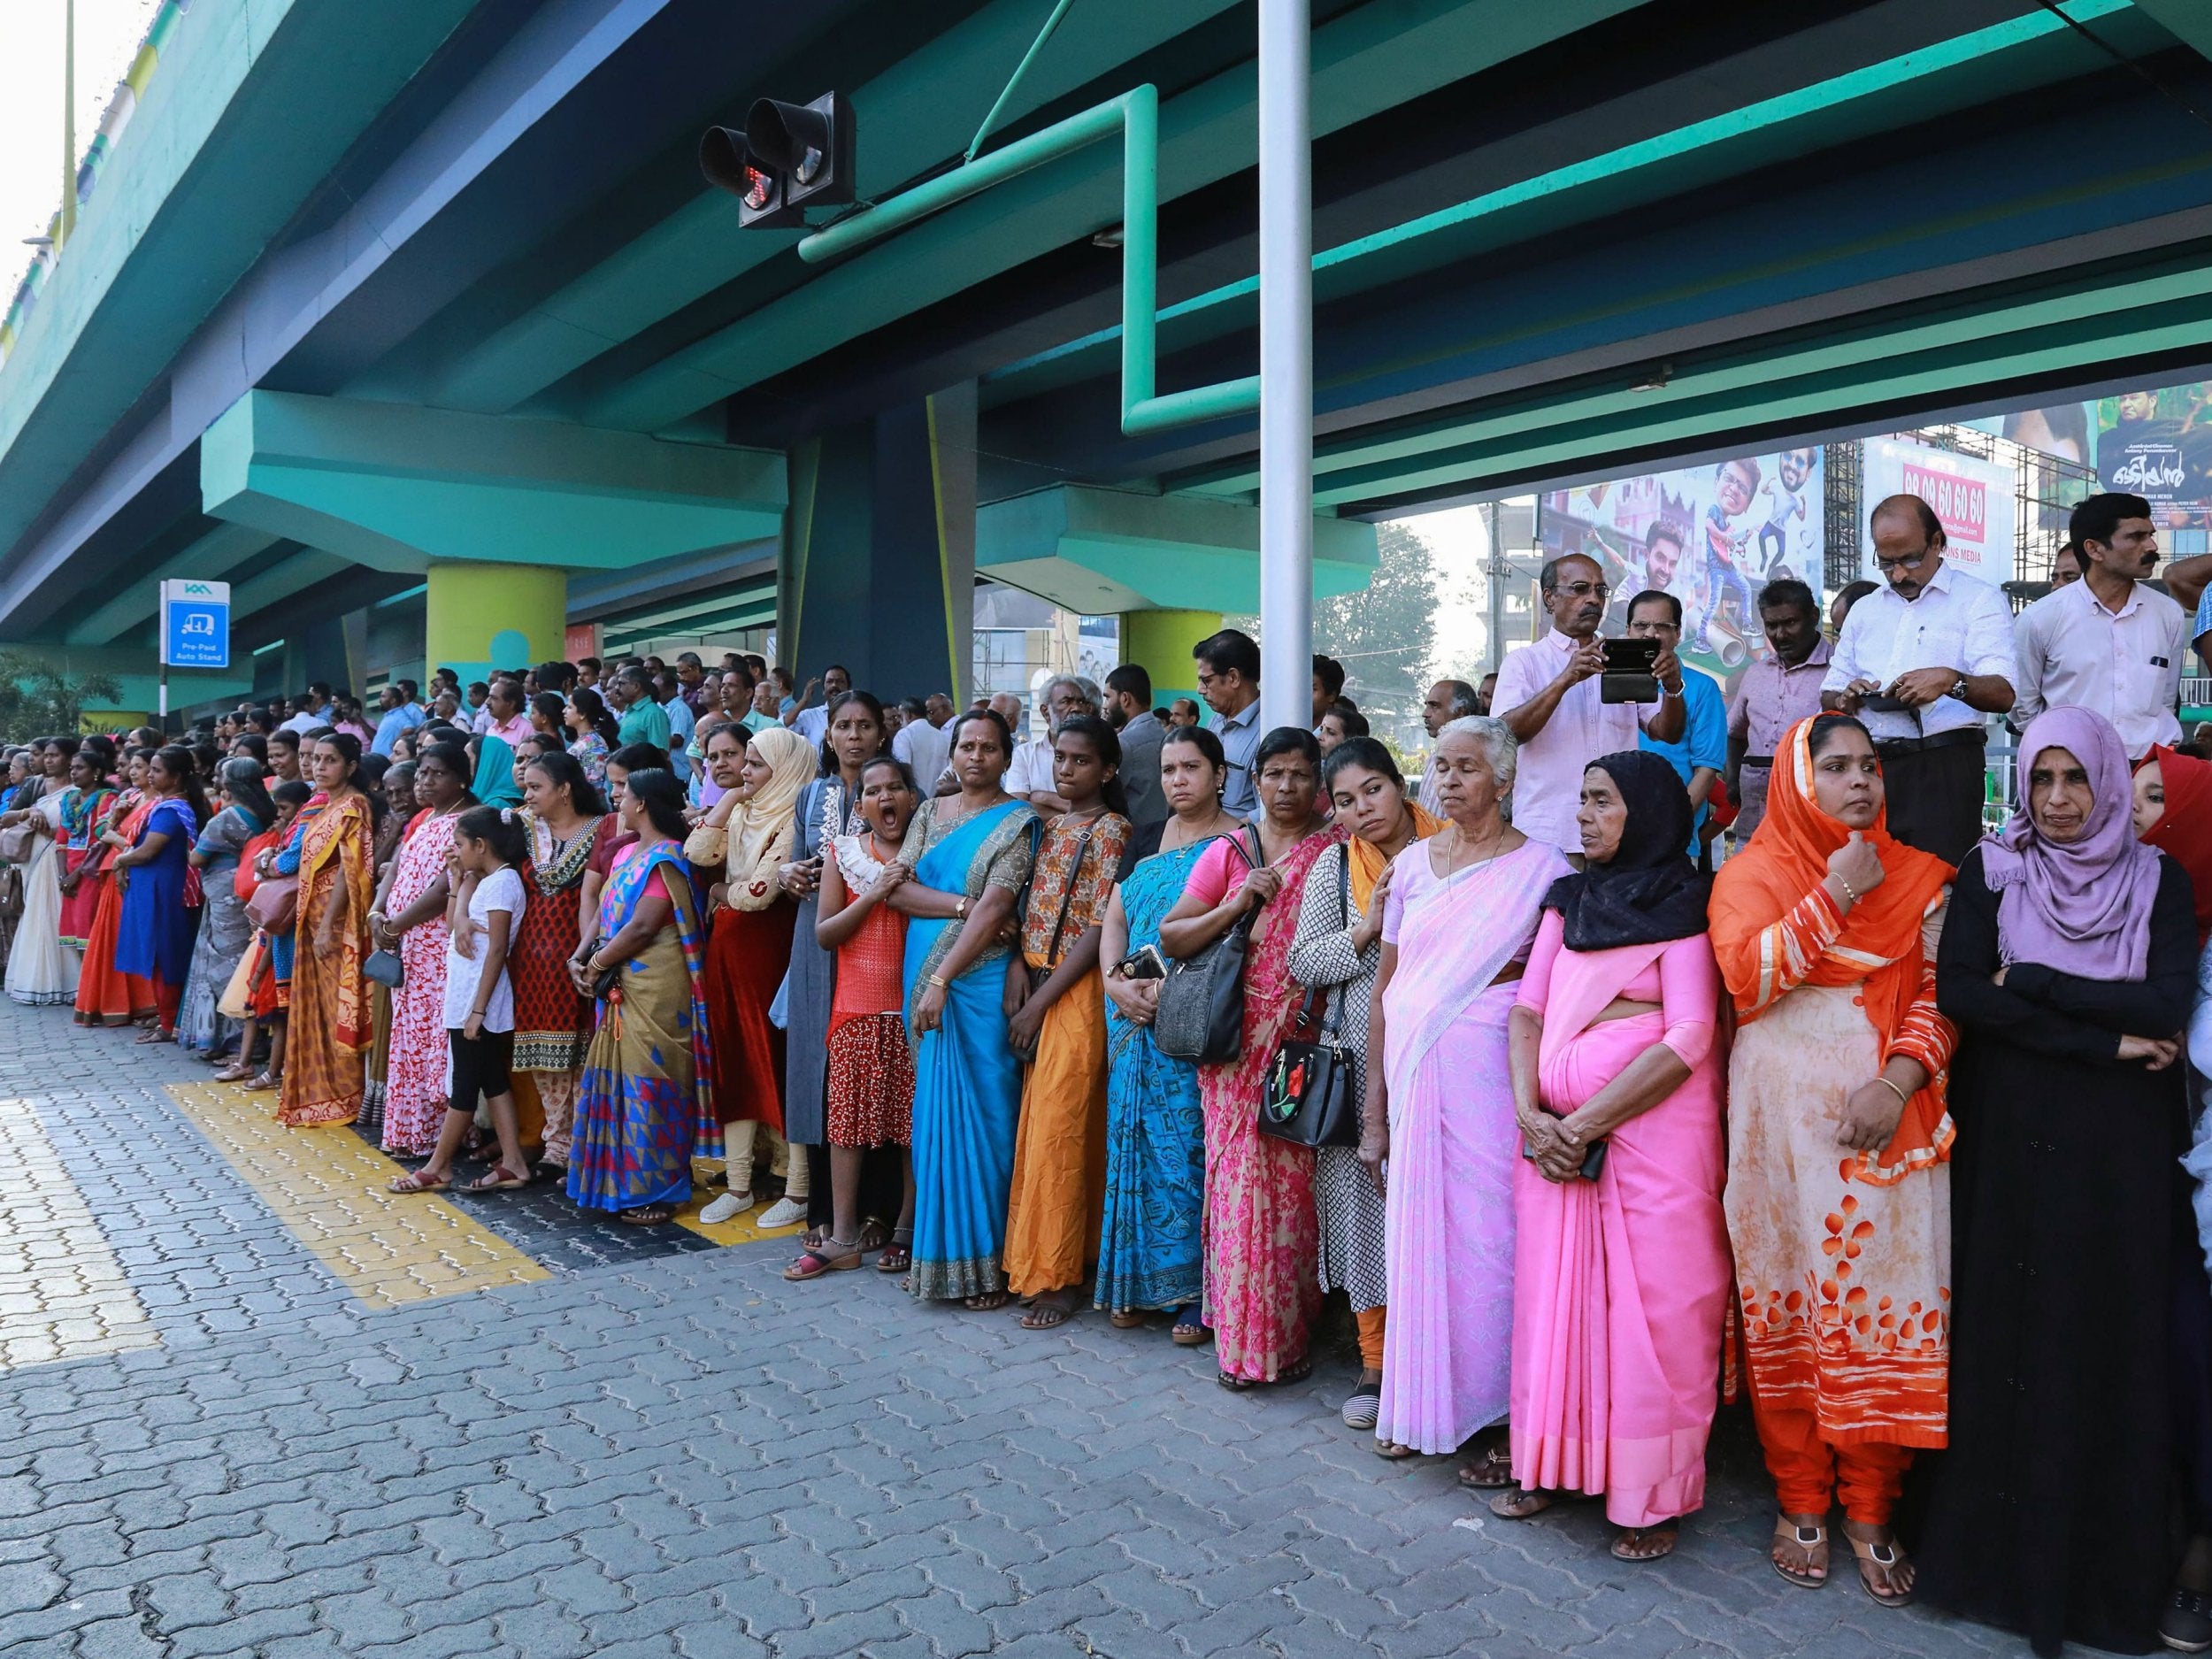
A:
x: 1461, y: 914
x: 1621, y: 1264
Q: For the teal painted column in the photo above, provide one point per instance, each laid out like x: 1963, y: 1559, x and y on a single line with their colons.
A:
x: 878, y: 558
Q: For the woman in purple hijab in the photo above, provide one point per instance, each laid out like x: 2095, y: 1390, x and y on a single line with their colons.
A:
x: 2068, y: 964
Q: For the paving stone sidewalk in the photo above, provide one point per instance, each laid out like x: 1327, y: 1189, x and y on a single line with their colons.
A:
x: 689, y: 1457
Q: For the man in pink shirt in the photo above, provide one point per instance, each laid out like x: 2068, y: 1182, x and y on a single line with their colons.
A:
x: 1775, y: 692
x: 504, y: 705
x: 1549, y: 695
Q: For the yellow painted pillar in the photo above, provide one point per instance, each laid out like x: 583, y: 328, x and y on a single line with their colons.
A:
x: 477, y: 618
x: 1160, y: 642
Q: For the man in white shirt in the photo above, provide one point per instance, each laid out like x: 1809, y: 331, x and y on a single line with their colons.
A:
x: 2107, y: 642
x: 921, y: 743
x: 812, y: 723
x: 1919, y: 661
x: 315, y: 710
x: 1029, y: 777
x: 1551, y: 696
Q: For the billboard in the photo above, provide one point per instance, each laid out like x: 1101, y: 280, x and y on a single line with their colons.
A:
x: 1974, y: 499
x: 2158, y: 444
x: 1711, y: 535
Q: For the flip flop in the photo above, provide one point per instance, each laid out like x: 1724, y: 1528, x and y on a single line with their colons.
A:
x: 1047, y: 1312
x: 1489, y: 1473
x: 646, y: 1214
x: 1665, y: 1533
x: 1805, y: 1538
x: 1885, y: 1556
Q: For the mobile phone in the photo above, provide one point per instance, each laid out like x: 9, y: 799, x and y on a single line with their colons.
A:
x: 1593, y: 1157
x: 1143, y: 964
x: 1882, y: 702
x: 1627, y: 676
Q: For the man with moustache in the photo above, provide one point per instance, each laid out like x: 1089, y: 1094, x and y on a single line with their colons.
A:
x: 2107, y: 642
x: 1775, y: 692
x: 1920, y: 660
x: 1551, y: 697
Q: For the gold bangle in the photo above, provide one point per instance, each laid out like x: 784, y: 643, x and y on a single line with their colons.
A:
x: 931, y: 979
x: 1903, y: 1098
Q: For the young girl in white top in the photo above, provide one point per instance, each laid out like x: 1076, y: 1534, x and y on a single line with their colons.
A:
x: 490, y: 844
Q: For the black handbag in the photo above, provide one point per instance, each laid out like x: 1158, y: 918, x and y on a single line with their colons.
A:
x: 1201, y: 1014
x: 1306, y: 1096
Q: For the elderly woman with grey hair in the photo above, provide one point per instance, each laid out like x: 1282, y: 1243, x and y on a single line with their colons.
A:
x: 1030, y: 776
x: 1457, y: 923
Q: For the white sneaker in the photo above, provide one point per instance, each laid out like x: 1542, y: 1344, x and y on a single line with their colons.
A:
x: 783, y: 1213
x: 726, y: 1207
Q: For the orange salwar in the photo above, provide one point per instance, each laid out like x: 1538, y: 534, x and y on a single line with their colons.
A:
x: 1057, y: 1201
x: 1810, y: 1472
x: 1371, y: 1323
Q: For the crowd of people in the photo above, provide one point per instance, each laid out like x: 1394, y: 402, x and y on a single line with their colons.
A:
x: 1880, y: 1126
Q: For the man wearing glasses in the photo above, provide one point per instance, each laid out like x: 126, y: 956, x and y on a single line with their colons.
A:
x: 1553, y: 705
x: 1920, y: 660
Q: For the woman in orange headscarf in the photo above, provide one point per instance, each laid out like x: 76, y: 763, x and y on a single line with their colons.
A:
x: 1839, y: 1189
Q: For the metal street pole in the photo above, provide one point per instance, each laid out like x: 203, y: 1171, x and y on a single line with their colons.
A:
x: 68, y: 123
x: 1286, y: 364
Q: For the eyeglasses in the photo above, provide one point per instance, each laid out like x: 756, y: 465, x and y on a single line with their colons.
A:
x: 1905, y: 562
x: 1584, y: 590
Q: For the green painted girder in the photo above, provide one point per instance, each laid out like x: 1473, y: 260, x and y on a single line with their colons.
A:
x: 2037, y: 49
x: 1919, y: 364
x: 257, y: 102
x: 213, y: 556
x: 751, y: 594
x: 912, y: 116
x: 734, y: 620
x: 1098, y: 551
x: 396, y: 487
x: 2187, y: 21
x: 1364, y: 62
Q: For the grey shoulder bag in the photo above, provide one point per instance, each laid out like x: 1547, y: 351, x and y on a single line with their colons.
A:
x: 1201, y: 1016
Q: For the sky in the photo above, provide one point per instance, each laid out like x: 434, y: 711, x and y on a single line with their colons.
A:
x: 108, y: 33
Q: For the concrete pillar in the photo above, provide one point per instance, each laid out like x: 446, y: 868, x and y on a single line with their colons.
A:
x: 480, y: 617
x: 877, y: 570
x: 1160, y: 642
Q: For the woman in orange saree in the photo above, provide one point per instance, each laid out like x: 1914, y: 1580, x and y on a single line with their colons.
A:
x: 103, y: 994
x: 333, y: 852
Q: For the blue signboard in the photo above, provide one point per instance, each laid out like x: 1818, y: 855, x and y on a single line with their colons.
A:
x: 195, y: 624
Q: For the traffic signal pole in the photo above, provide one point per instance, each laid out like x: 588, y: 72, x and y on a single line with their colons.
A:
x: 1286, y: 364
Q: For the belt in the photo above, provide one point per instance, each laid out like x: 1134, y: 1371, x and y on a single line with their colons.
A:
x: 1758, y: 760
x: 1957, y: 738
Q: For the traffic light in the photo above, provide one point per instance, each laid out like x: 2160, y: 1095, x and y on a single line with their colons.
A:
x: 790, y: 156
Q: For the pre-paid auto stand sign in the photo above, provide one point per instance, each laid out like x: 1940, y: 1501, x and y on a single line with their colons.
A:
x: 194, y: 625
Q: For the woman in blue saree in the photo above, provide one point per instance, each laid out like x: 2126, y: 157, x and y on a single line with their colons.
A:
x: 645, y: 1103
x: 160, y: 911
x: 971, y: 855
x: 1148, y: 1258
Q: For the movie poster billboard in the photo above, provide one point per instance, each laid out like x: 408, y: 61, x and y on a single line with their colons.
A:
x: 1974, y: 499
x: 1713, y: 536
x: 2158, y: 444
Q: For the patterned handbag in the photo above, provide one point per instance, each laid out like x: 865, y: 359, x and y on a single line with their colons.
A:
x: 1306, y: 1097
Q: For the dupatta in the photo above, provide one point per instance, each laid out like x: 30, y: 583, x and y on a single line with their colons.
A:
x: 1877, y: 948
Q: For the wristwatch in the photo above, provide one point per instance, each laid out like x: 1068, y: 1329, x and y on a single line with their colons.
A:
x: 1958, y: 688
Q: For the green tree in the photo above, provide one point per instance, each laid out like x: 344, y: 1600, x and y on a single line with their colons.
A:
x: 38, y: 700
x: 1385, y: 633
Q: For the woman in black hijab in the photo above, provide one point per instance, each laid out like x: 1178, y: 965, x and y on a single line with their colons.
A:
x: 1621, y: 1265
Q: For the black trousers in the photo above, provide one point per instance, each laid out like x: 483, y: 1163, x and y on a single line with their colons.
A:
x: 1935, y: 798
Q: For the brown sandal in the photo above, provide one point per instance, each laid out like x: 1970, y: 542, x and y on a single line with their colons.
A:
x: 499, y: 1179
x: 418, y: 1181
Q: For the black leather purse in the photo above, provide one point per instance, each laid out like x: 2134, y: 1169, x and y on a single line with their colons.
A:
x: 1306, y: 1097
x: 1200, y: 1015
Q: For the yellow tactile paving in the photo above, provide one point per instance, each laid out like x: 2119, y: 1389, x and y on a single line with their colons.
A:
x: 327, y: 1187
x: 62, y: 1292
x: 745, y: 1229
